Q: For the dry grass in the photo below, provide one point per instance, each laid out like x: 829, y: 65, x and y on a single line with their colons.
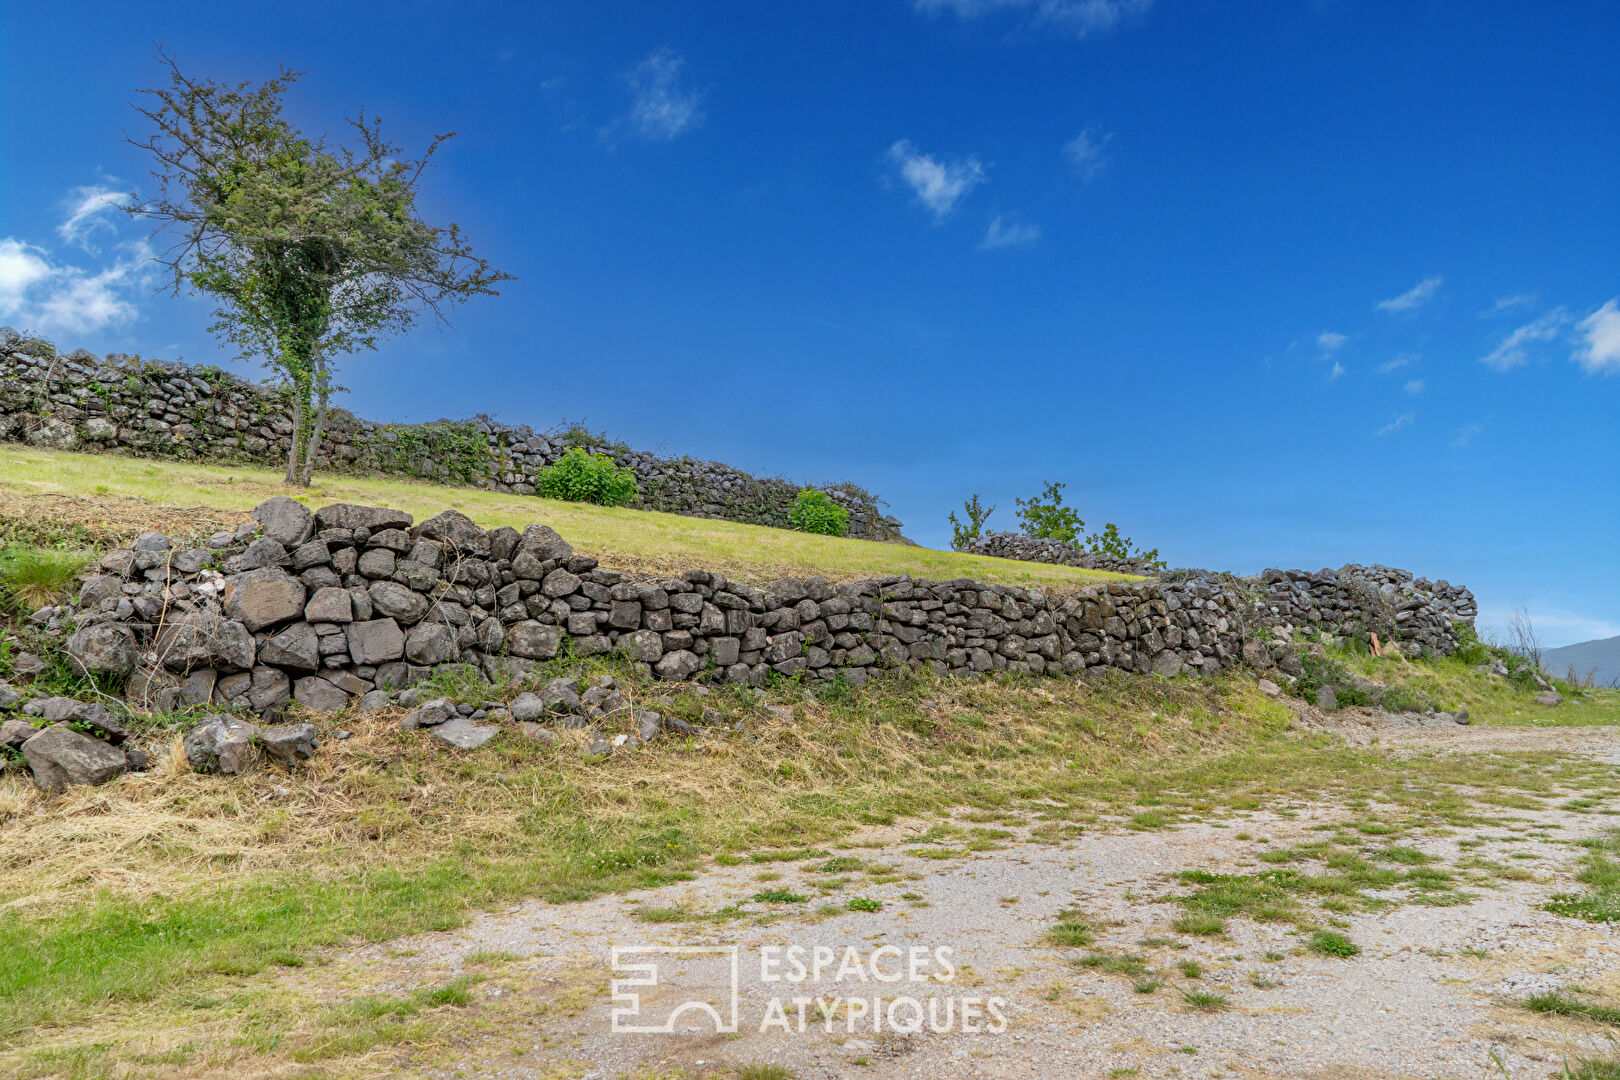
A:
x: 640, y: 541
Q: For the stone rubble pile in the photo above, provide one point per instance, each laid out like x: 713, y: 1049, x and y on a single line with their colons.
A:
x: 79, y: 401
x: 1011, y: 545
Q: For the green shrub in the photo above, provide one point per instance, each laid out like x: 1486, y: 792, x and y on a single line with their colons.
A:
x: 1109, y: 542
x: 1045, y: 516
x: 1332, y: 943
x: 815, y: 512
x: 963, y: 535
x: 580, y: 476
x: 31, y: 577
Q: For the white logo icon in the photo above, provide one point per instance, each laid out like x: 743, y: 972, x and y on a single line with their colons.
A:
x: 640, y: 963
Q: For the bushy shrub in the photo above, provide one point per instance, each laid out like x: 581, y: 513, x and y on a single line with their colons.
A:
x: 963, y: 535
x: 580, y: 476
x: 1045, y: 517
x: 1109, y: 542
x: 815, y: 512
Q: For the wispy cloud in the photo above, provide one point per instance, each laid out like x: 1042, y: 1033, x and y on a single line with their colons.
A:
x: 1512, y: 303
x: 1087, y: 153
x: 1335, y: 371
x: 1009, y: 230
x: 940, y: 184
x: 1331, y: 341
x: 1081, y: 18
x: 1415, y: 297
x: 1396, y: 363
x: 87, y: 212
x: 42, y: 293
x: 1514, y: 350
x: 1599, y: 348
x: 1404, y: 420
x: 662, y: 105
x: 1468, y: 433
x: 1415, y: 387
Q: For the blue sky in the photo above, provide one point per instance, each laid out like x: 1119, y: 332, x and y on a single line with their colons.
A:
x: 1286, y: 283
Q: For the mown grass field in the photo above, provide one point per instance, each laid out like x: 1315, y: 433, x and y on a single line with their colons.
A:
x: 636, y: 540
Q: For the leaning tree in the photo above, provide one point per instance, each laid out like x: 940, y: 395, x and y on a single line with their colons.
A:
x: 311, y: 249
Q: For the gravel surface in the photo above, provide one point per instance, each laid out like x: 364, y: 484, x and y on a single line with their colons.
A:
x: 1434, y: 991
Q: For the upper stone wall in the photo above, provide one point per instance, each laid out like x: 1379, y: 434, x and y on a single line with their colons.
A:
x: 81, y: 401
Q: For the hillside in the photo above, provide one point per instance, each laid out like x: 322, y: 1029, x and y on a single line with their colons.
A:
x: 44, y: 484
x: 1600, y: 659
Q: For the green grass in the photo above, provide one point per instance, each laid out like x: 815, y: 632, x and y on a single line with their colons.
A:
x: 1562, y: 1005
x: 1332, y: 943
x: 1206, y: 1000
x: 1070, y: 932
x: 31, y: 577
x: 627, y: 539
x: 1453, y: 683
x: 1600, y: 873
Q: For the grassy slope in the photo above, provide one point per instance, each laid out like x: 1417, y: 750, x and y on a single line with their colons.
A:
x: 636, y: 540
x: 1489, y: 700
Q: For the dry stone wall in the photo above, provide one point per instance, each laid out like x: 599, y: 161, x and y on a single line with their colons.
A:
x: 321, y: 607
x: 1353, y: 601
x: 85, y: 402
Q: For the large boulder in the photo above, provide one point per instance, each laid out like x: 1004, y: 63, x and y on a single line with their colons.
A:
x: 463, y: 734
x: 204, y: 639
x: 430, y: 643
x: 330, y: 605
x: 456, y: 531
x: 543, y: 542
x: 61, y: 758
x: 296, y: 647
x: 95, y: 717
x: 394, y: 600
x: 222, y: 744
x: 106, y: 649
x: 375, y: 641
x: 261, y: 598
x: 350, y: 516
x: 319, y: 695
x: 289, y: 743
x: 533, y: 641
x: 286, y: 521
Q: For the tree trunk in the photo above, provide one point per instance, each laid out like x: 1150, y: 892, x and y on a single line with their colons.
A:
x: 323, y: 394
x: 297, y: 437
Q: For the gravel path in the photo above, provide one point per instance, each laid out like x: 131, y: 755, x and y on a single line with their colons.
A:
x: 1432, y: 993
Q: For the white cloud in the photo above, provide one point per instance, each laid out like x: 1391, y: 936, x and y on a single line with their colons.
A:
x: 662, y: 106
x: 1082, y: 18
x: 48, y: 297
x: 87, y: 207
x: 1395, y: 364
x: 1338, y: 369
x: 1468, y: 433
x: 1087, y: 153
x: 1413, y: 298
x: 940, y: 184
x: 1404, y: 420
x: 1510, y: 303
x: 1009, y: 230
x: 1599, y: 353
x: 1331, y: 341
x: 1514, y: 350
x: 1415, y: 387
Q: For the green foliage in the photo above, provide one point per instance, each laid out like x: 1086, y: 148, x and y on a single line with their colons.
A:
x: 1561, y: 1005
x: 864, y: 903
x: 1109, y: 542
x: 581, y: 476
x: 31, y: 577
x: 815, y: 512
x: 310, y: 249
x: 963, y: 535
x: 1046, y: 517
x: 1332, y: 943
x: 1600, y: 872
x: 780, y: 896
x: 575, y: 433
x: 1070, y: 931
x: 454, y: 449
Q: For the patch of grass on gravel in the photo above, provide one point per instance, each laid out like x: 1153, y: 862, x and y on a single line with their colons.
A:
x: 1070, y: 932
x: 1332, y: 943
x: 1601, y: 874
x: 1206, y: 1000
x: 1562, y: 1005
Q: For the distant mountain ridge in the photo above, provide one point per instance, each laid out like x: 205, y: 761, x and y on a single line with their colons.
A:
x: 1601, y: 657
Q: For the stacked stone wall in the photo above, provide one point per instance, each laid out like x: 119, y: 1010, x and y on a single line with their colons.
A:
x: 121, y: 403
